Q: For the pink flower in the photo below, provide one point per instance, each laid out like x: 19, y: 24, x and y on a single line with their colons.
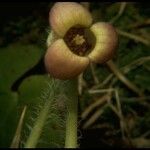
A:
x: 75, y: 42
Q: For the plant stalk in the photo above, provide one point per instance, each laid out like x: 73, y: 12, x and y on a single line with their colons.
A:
x: 72, y: 114
x: 38, y: 127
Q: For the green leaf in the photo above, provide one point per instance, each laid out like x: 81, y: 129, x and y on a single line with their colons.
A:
x: 15, y: 60
x: 8, y: 115
x: 31, y: 89
x: 7, y: 102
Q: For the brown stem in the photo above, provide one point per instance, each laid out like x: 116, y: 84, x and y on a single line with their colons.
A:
x: 122, y: 78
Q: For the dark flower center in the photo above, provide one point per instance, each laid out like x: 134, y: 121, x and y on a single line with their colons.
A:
x: 80, y: 40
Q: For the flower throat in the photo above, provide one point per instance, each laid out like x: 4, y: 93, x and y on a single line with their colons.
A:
x: 80, y: 40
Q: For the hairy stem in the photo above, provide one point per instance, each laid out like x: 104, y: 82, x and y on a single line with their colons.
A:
x: 72, y: 114
x: 38, y: 127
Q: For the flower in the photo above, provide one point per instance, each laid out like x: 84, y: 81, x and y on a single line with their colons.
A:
x: 75, y: 42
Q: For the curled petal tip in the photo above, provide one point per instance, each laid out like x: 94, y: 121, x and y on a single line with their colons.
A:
x: 65, y: 15
x: 61, y: 63
x: 106, y: 42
